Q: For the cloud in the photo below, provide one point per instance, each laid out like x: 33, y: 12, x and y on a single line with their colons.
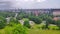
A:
x: 41, y: 0
x: 30, y: 4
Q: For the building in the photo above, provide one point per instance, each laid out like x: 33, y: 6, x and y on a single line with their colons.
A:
x: 56, y: 14
x: 37, y: 12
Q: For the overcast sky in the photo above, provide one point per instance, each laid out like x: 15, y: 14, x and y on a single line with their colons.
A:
x: 30, y: 4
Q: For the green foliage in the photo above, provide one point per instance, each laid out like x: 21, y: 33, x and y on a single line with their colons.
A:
x: 25, y: 19
x: 49, y: 21
x: 20, y: 30
x: 58, y: 23
x: 16, y: 29
x: 13, y: 21
x: 8, y: 30
x: 2, y: 22
x: 7, y: 14
x: 37, y: 20
x: 39, y: 26
x: 43, y: 16
x: 22, y: 15
x: 26, y: 23
x: 53, y: 27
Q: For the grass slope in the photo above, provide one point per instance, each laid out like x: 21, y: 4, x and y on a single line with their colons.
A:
x: 36, y: 31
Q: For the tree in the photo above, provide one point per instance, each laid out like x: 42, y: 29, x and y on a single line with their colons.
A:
x: 2, y: 22
x: 13, y: 21
x: 22, y: 15
x: 37, y: 20
x: 58, y: 23
x: 26, y: 23
x: 49, y: 21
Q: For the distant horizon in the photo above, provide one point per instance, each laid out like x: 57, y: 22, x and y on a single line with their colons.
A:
x: 33, y: 9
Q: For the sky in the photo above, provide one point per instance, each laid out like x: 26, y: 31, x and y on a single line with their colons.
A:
x: 29, y: 4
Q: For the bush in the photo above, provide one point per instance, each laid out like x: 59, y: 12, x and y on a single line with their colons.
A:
x: 37, y: 20
x: 17, y: 29
x: 13, y: 21
x: 25, y: 19
x: 58, y: 23
x: 2, y: 22
x: 8, y: 30
x: 26, y: 23
x: 49, y: 21
x: 22, y: 15
x: 39, y: 26
x: 53, y: 27
x: 20, y: 30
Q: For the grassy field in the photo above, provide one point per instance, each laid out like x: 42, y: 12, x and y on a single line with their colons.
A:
x: 36, y: 31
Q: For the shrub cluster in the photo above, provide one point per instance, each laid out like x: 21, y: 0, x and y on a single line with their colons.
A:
x: 17, y: 29
x: 26, y: 23
x: 37, y: 20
